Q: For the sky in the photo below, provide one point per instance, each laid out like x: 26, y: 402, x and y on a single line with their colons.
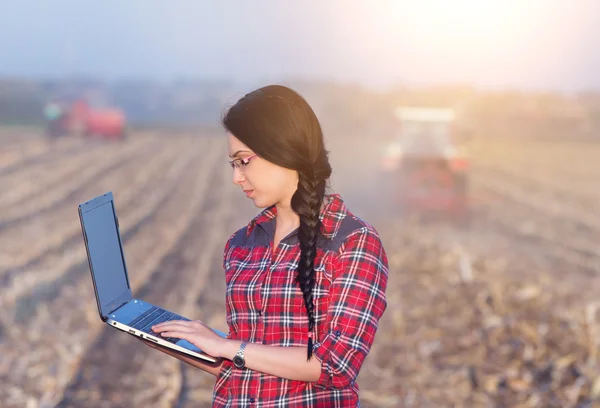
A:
x: 523, y: 44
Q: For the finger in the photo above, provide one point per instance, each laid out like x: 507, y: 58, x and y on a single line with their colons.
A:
x: 185, y: 322
x: 177, y: 335
x: 171, y: 322
x: 174, y: 325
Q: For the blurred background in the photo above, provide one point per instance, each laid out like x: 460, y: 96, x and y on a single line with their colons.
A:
x: 466, y: 132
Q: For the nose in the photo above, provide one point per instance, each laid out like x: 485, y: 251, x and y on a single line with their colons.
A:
x: 238, y: 176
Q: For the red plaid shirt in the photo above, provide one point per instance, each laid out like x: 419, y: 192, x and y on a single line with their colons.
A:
x: 265, y: 306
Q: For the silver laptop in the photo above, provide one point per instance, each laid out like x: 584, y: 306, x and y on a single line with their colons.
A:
x: 116, y: 305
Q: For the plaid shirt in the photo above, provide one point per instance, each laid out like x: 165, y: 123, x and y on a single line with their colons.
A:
x: 265, y: 306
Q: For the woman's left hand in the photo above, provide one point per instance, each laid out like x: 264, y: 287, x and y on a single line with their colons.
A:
x: 196, y: 332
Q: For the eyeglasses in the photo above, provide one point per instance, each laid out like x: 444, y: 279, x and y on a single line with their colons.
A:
x: 241, y: 164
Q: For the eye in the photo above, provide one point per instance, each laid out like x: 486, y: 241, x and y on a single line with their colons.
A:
x: 238, y: 163
x: 241, y: 163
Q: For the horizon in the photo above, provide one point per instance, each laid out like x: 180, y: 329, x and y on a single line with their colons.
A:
x: 543, y: 45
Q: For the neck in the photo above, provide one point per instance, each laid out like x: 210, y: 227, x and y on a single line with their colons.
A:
x: 286, y: 216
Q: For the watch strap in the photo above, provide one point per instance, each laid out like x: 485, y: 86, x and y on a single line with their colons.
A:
x: 240, y: 351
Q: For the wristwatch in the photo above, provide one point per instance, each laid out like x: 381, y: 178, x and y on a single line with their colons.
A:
x: 238, y: 359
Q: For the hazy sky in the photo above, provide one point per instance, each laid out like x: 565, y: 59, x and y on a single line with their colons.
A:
x: 548, y: 44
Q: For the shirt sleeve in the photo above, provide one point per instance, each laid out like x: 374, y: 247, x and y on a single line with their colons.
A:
x: 357, y: 302
x: 226, y: 255
x: 226, y: 252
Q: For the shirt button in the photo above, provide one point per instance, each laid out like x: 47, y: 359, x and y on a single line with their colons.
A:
x: 252, y: 400
x: 337, y: 333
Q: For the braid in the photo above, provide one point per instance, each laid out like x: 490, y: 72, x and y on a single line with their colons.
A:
x: 307, y: 203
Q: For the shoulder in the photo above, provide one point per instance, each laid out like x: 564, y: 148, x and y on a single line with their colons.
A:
x: 350, y: 228
x: 238, y: 237
x: 250, y: 235
x: 360, y: 258
x: 357, y: 234
x: 235, y: 247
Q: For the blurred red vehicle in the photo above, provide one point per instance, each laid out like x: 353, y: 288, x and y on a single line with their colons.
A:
x: 79, y: 119
x: 426, y: 169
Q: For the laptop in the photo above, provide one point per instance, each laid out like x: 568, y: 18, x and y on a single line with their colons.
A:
x: 116, y: 305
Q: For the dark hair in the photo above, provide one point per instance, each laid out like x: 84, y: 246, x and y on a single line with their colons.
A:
x: 280, y: 126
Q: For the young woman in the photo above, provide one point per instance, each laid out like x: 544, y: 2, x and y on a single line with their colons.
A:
x: 305, y: 279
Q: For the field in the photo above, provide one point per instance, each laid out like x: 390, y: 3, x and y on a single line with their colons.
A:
x: 499, y: 312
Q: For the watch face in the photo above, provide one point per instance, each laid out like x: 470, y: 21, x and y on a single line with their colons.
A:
x: 238, y: 361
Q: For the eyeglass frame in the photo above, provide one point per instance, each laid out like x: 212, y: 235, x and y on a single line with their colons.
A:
x: 242, y: 162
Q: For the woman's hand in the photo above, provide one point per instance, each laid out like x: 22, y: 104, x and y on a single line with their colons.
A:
x: 196, y: 332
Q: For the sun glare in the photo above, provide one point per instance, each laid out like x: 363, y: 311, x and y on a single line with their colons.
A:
x: 464, y: 23
x: 458, y: 40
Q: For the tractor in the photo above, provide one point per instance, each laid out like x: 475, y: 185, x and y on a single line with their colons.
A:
x: 426, y: 169
x: 79, y: 119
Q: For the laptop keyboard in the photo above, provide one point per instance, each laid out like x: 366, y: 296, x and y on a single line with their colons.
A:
x: 154, y: 316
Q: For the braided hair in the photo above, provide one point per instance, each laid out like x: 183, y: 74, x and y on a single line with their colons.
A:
x: 280, y: 126
x: 306, y: 201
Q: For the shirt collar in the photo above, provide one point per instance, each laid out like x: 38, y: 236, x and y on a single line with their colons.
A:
x: 333, y: 211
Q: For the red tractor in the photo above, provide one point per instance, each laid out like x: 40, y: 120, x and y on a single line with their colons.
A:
x: 80, y: 119
x: 426, y: 168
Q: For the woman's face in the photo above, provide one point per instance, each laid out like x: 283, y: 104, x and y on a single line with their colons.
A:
x: 262, y: 181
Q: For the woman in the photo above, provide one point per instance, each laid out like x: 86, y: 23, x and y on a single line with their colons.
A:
x: 305, y: 279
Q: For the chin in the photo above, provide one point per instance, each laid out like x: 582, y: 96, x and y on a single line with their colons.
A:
x: 262, y: 203
x: 259, y: 204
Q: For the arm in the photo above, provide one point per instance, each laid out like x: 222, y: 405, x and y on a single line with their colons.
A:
x: 283, y: 362
x: 357, y: 303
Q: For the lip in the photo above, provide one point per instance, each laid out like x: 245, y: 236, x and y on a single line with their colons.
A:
x: 248, y: 192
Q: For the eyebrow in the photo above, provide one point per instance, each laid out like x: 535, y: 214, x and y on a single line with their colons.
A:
x: 238, y: 152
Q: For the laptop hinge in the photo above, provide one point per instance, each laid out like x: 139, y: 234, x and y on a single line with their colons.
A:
x: 122, y: 304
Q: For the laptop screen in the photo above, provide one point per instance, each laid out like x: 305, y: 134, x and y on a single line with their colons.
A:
x: 105, y: 253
